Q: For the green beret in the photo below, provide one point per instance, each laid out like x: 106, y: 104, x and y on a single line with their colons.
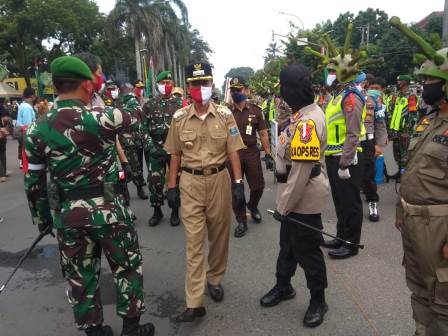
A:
x: 70, y: 67
x: 405, y: 78
x: 164, y: 75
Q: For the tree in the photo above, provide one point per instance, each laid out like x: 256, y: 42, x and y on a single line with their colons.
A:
x: 199, y: 48
x: 244, y: 72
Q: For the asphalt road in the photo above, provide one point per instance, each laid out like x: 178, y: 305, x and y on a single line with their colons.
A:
x: 367, y: 294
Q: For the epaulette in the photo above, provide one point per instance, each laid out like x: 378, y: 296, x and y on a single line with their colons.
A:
x: 181, y: 113
x: 255, y: 105
x: 223, y: 111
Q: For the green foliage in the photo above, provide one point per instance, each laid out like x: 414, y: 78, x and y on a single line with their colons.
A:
x: 199, y: 48
x: 244, y: 72
x: 265, y: 81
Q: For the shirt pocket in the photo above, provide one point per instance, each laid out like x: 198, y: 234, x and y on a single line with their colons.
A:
x: 435, y: 160
x: 187, y: 140
x: 218, y: 142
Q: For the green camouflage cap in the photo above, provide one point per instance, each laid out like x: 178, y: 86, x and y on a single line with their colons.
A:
x: 164, y: 75
x: 70, y: 67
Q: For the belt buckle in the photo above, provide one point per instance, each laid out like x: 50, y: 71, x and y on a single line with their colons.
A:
x: 207, y: 171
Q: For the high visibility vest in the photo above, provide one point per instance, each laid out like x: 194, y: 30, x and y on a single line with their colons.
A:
x: 402, y: 103
x: 336, y: 127
x: 272, y: 110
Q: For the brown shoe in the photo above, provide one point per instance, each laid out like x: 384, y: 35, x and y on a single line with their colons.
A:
x: 190, y: 314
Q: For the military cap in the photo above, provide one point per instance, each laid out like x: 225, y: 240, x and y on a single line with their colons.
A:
x: 139, y: 84
x: 164, y: 75
x: 405, y: 78
x: 178, y: 90
x: 111, y: 84
x: 198, y: 71
x: 238, y: 82
x: 70, y: 67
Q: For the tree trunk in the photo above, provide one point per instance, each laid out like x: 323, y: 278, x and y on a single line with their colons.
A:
x: 175, y: 68
x: 138, y: 60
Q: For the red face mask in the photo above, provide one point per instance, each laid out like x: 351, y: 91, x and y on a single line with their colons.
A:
x: 98, y: 82
x: 89, y: 91
x: 138, y: 92
x: 201, y: 94
x: 165, y: 89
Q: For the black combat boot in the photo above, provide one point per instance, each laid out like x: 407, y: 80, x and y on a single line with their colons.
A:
x: 190, y: 314
x: 99, y: 331
x: 277, y: 295
x: 175, y: 220
x: 131, y: 327
x: 317, y: 309
x: 156, y: 217
x: 240, y: 230
x: 141, y: 193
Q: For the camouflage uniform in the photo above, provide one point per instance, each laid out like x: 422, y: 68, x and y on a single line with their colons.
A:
x: 77, y: 146
x: 131, y: 139
x: 157, y: 115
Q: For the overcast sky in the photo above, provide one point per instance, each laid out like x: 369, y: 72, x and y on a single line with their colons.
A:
x: 239, y: 31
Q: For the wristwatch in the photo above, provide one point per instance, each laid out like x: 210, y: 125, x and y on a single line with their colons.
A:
x: 239, y: 181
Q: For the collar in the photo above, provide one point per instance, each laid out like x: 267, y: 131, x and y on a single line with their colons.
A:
x: 210, y: 110
x: 70, y: 103
x: 245, y: 107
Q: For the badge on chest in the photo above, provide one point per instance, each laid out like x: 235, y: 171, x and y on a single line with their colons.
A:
x: 305, y: 145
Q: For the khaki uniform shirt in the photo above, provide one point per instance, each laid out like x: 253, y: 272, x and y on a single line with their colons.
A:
x: 425, y: 181
x: 203, y: 143
x: 302, y: 194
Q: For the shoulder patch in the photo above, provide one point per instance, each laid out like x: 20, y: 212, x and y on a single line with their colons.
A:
x: 305, y: 145
x: 349, y: 103
x: 179, y: 114
x: 223, y: 111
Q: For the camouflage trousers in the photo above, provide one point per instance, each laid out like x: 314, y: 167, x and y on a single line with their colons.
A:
x: 400, y: 144
x: 157, y: 176
x: 132, y: 151
x: 80, y: 250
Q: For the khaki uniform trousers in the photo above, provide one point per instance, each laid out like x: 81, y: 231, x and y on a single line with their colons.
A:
x: 206, y: 207
x: 424, y: 234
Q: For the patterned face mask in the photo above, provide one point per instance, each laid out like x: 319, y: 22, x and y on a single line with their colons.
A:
x: 201, y: 94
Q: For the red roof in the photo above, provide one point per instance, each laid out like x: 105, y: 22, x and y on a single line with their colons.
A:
x: 422, y: 23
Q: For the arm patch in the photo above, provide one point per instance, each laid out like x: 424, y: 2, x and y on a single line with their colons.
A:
x: 305, y: 145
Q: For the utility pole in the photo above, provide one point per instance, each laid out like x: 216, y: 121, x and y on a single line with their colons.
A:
x: 445, y: 25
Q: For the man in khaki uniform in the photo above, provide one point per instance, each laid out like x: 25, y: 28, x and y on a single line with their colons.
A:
x: 422, y: 210
x: 201, y: 138
x: 302, y: 192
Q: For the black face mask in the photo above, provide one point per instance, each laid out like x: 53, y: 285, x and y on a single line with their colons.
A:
x: 433, y: 93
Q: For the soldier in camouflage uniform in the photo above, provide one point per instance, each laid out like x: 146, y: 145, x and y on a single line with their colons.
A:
x: 76, y: 145
x: 157, y: 115
x: 131, y: 139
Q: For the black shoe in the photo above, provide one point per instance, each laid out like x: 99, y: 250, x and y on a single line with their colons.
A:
x: 99, y: 331
x: 373, y: 212
x: 146, y: 329
x: 134, y: 217
x: 240, y: 230
x: 255, y: 214
x: 175, y: 220
x: 343, y: 253
x: 216, y: 292
x: 190, y: 314
x: 314, y: 315
x: 277, y: 295
x: 141, y: 193
x: 332, y: 244
x: 156, y: 217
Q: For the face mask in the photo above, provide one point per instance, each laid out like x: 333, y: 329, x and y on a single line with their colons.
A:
x: 238, y: 97
x: 114, y: 94
x: 98, y: 85
x: 374, y: 93
x: 433, y: 93
x: 330, y: 79
x: 201, y: 94
x: 165, y: 89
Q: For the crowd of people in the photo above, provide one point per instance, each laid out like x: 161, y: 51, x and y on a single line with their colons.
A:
x: 198, y: 151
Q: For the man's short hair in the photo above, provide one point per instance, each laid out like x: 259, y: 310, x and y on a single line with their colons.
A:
x: 90, y: 59
x: 28, y: 92
x: 378, y: 81
x: 66, y: 85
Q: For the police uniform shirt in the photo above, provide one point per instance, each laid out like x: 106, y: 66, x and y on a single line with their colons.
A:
x: 250, y: 120
x: 302, y: 145
x: 203, y: 143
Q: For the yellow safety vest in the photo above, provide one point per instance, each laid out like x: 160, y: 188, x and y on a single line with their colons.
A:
x: 400, y: 104
x: 336, y: 128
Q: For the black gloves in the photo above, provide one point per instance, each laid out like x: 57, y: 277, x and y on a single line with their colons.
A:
x: 278, y: 216
x: 46, y: 228
x: 127, y: 171
x: 173, y: 197
x: 269, y: 161
x: 238, y: 196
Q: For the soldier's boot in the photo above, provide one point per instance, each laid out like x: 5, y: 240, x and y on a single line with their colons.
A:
x: 373, y: 212
x: 99, y: 331
x: 156, y: 217
x: 175, y: 220
x: 141, y: 193
x: 317, y: 309
x: 240, y: 230
x: 132, y: 327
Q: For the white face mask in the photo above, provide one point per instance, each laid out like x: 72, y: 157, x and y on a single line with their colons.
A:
x: 114, y: 94
x: 330, y: 79
x: 161, y: 88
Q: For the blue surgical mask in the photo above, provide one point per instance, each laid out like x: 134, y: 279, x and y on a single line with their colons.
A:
x: 374, y: 93
x: 238, y: 97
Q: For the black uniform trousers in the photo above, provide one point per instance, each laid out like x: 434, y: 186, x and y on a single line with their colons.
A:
x: 368, y: 170
x: 346, y: 198
x: 300, y: 245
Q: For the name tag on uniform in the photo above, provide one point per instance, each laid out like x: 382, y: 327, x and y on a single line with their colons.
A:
x: 305, y: 145
x: 249, y: 130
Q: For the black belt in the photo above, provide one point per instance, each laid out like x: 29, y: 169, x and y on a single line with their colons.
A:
x: 283, y: 178
x: 83, y: 193
x: 205, y: 171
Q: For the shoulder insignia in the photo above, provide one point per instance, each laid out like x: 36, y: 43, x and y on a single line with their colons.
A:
x: 223, y: 111
x: 305, y: 145
x: 179, y: 114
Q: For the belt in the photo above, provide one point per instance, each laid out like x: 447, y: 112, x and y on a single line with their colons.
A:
x: 84, y: 193
x: 205, y: 171
x: 283, y: 178
x: 437, y: 210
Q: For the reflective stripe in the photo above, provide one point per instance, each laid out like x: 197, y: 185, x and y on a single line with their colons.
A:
x: 32, y: 166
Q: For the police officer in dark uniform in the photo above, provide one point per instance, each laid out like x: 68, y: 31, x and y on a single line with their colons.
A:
x: 250, y: 121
